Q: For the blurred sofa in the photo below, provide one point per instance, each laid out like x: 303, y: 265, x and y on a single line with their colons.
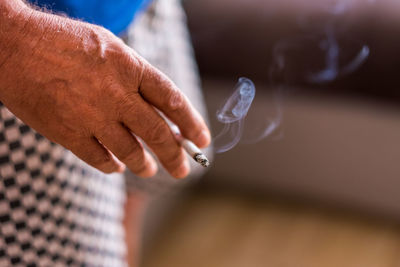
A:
x: 339, y: 141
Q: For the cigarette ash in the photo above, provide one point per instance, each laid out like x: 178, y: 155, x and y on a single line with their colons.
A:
x: 202, y: 159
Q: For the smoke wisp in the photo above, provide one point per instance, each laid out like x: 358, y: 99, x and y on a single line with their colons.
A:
x: 320, y: 55
x: 233, y: 113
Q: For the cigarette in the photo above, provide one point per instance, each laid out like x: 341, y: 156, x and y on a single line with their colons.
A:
x: 190, y: 148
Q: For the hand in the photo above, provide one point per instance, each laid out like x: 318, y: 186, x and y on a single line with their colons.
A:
x: 82, y: 87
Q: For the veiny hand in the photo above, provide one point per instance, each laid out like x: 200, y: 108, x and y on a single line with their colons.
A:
x: 83, y: 88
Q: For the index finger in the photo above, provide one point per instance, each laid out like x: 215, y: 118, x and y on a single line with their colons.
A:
x: 157, y: 89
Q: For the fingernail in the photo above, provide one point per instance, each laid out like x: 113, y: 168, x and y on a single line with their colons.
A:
x: 204, y: 138
x: 183, y: 170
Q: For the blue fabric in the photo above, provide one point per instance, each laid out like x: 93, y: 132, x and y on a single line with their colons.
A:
x: 114, y: 15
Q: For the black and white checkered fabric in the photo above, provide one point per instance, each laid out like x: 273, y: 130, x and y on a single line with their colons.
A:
x: 54, y: 209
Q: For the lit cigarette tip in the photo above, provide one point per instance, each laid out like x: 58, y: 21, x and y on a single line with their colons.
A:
x: 190, y: 148
x: 202, y: 159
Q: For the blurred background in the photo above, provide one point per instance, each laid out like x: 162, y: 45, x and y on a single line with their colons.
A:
x: 324, y: 189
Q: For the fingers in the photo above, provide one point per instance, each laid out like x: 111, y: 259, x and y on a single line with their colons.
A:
x: 162, y: 93
x: 127, y: 149
x: 145, y: 122
x: 93, y: 153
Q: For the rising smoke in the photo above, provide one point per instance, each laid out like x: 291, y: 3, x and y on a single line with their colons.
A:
x: 233, y: 113
x: 289, y: 64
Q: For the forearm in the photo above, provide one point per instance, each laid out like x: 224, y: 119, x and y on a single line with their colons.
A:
x: 55, y: 69
x: 14, y: 15
x: 15, y: 42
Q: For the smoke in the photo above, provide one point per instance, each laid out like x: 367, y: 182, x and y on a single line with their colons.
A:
x: 331, y: 57
x: 233, y: 113
x: 333, y: 69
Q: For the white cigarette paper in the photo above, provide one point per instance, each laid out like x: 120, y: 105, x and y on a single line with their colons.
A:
x: 190, y: 147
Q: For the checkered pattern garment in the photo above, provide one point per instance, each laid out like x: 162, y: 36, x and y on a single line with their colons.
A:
x: 55, y: 210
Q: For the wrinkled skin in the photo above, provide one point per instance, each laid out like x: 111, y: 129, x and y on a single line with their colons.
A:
x: 82, y: 87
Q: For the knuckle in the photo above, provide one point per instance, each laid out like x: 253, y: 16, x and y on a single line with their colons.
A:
x: 129, y: 102
x: 176, y: 100
x: 127, y: 108
x: 114, y: 54
x: 128, y: 65
x: 159, y: 134
x: 102, y: 131
x: 95, y: 44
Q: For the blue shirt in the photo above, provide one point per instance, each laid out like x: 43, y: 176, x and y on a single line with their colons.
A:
x: 114, y: 15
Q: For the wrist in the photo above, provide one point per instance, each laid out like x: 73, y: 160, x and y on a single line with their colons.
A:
x: 14, y: 16
x: 14, y: 19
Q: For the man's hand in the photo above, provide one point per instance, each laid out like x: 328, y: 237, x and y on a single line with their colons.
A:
x: 82, y: 87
